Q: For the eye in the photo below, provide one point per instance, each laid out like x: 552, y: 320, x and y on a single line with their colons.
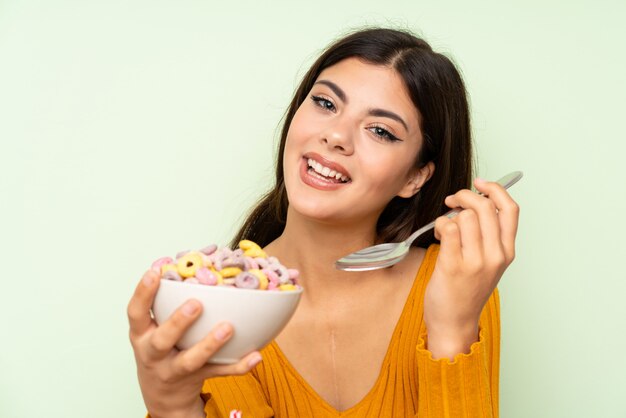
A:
x: 323, y: 103
x: 383, y: 134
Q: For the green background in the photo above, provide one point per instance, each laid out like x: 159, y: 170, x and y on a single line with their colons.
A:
x: 133, y: 129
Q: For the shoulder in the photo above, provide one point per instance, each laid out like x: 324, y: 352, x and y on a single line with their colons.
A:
x: 421, y: 261
x: 416, y: 267
x: 433, y: 250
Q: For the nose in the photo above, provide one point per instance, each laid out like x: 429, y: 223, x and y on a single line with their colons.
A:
x: 338, y: 137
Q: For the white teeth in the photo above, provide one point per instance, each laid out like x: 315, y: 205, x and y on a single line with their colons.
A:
x: 325, y: 171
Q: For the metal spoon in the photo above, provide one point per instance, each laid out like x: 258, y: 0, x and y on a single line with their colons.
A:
x: 388, y: 254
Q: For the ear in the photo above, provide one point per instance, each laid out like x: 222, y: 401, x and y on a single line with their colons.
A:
x: 417, y: 179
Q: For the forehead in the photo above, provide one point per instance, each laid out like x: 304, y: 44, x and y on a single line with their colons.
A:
x: 373, y: 86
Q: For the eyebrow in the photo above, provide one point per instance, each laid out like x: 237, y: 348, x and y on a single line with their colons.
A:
x: 373, y: 112
x: 388, y: 114
x: 335, y: 88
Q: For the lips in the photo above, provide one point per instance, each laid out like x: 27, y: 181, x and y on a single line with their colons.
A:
x: 323, y: 181
x: 332, y: 166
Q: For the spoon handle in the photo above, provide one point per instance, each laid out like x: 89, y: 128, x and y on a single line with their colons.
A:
x: 506, y: 182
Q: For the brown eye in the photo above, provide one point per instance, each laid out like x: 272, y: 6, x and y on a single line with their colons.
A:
x: 383, y: 134
x: 323, y: 103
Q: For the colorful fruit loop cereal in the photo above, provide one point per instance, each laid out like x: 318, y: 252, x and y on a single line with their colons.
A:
x: 247, y: 267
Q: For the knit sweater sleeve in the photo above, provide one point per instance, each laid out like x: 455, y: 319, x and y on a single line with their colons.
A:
x: 467, y: 386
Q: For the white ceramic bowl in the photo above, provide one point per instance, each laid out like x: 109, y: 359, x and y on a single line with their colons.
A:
x: 257, y: 316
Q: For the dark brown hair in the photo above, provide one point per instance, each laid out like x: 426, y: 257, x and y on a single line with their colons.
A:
x: 437, y: 91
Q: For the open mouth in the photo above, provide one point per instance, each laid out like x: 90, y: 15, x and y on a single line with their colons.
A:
x: 324, y: 173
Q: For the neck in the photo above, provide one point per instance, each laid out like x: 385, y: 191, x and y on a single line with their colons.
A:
x: 312, y: 247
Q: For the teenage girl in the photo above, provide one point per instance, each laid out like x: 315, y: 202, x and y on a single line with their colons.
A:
x: 376, y: 143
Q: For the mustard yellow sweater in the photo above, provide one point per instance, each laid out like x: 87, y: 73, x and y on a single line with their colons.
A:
x: 410, y: 384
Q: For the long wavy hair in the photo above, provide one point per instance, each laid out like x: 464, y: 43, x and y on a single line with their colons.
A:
x: 437, y: 91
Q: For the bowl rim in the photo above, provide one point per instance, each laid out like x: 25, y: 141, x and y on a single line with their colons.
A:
x: 217, y: 288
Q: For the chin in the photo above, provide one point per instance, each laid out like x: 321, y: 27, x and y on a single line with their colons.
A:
x: 329, y: 213
x: 314, y: 210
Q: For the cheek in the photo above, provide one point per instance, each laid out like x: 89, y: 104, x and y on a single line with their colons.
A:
x: 303, y: 128
x: 296, y: 138
x: 389, y: 173
x: 300, y: 126
x: 293, y: 136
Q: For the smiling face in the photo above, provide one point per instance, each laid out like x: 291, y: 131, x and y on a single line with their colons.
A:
x: 352, y: 145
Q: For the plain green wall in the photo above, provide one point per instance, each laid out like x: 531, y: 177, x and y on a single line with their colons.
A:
x: 133, y: 129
